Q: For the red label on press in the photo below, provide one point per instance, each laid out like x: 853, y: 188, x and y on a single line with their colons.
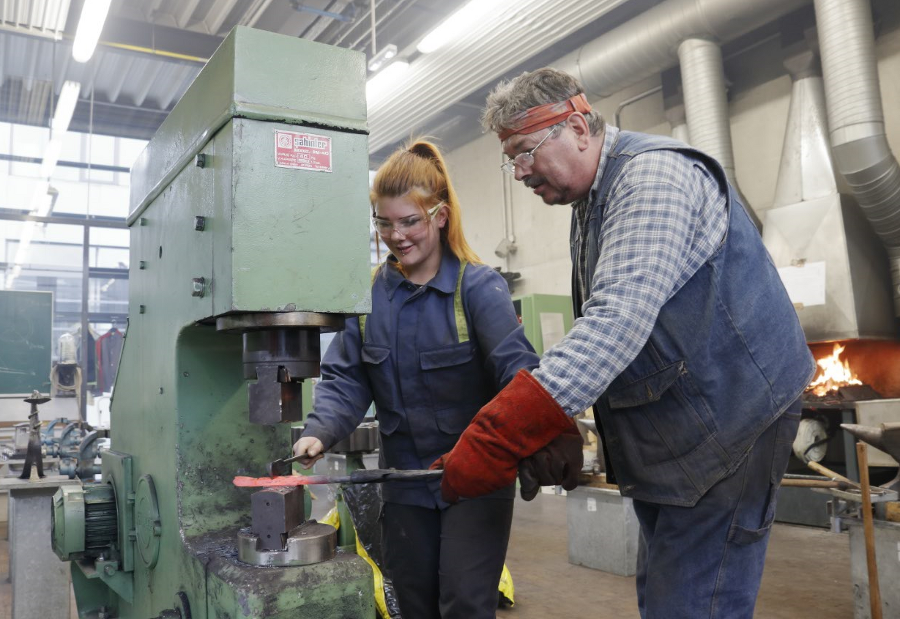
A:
x: 302, y: 151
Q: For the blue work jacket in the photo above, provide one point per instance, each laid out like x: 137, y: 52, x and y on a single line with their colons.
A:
x: 426, y: 378
x: 725, y: 359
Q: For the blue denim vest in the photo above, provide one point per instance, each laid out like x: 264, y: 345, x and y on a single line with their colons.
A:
x: 725, y: 358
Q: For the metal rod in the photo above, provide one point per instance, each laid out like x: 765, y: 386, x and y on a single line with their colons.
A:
x: 322, y: 13
x: 372, y: 16
x: 353, y: 26
x: 818, y: 468
x: 85, y: 356
x: 65, y: 164
x: 811, y: 483
x: 86, y: 276
x: 869, y: 530
x: 399, y: 6
x: 66, y: 220
x: 634, y: 99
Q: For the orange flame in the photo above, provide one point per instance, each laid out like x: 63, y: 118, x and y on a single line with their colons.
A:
x: 835, y: 374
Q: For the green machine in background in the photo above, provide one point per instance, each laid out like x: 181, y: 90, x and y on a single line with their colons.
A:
x: 546, y: 318
x: 249, y: 236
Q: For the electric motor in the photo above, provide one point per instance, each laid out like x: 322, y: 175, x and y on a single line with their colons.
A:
x: 84, y: 521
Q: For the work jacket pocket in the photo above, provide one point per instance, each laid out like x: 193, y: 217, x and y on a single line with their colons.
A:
x: 450, y: 425
x: 648, y: 389
x: 377, y: 362
x: 454, y: 421
x: 454, y: 375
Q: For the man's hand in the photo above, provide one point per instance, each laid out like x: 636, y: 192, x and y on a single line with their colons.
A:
x: 556, y: 464
x: 312, y: 448
x: 521, y: 419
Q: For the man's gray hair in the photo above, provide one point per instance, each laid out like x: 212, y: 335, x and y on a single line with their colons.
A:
x: 528, y: 90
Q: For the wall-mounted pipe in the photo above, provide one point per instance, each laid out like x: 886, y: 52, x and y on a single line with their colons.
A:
x: 678, y: 121
x: 856, y: 119
x: 618, y: 114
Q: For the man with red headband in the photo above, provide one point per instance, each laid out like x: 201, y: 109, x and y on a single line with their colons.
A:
x: 685, y: 343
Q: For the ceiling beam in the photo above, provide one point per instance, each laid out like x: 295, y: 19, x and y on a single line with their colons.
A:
x: 183, y: 16
x: 129, y: 32
x: 217, y: 15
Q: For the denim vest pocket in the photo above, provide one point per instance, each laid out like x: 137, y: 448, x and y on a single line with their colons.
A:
x: 454, y: 375
x: 648, y: 389
x: 376, y: 360
x: 655, y: 420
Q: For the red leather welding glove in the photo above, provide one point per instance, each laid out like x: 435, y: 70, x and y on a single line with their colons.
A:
x: 559, y: 463
x: 521, y: 419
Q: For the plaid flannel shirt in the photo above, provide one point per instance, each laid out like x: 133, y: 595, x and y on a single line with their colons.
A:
x: 665, y: 216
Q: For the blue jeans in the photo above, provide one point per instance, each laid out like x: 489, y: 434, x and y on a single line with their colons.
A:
x: 706, y: 561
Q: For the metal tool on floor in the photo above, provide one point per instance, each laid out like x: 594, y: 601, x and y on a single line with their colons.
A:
x: 868, y: 530
x: 360, y: 476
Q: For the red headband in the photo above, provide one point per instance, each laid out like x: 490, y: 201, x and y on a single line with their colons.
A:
x: 542, y: 116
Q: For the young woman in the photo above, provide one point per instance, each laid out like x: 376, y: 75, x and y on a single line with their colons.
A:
x: 441, y: 341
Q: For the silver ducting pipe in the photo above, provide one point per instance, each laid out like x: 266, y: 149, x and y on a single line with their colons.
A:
x: 856, y: 119
x: 647, y: 44
x: 705, y: 102
x: 678, y: 120
x: 706, y: 106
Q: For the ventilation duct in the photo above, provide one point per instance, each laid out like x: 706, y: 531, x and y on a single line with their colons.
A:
x: 831, y: 262
x: 648, y: 44
x: 512, y: 32
x: 678, y: 120
x: 856, y: 120
x: 516, y: 30
x: 706, y: 105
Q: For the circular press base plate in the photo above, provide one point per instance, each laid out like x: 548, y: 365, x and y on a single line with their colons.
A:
x: 311, y: 542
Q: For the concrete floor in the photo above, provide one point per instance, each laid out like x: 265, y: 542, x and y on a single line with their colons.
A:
x: 807, y: 573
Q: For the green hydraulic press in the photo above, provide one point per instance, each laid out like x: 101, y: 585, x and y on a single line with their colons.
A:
x: 249, y: 236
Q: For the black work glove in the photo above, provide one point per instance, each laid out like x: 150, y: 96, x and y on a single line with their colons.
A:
x: 559, y: 462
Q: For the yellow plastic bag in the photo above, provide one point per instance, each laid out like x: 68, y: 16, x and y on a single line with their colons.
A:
x: 334, y: 519
x: 507, y: 589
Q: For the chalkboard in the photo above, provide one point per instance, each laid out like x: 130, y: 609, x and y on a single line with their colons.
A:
x: 26, y: 330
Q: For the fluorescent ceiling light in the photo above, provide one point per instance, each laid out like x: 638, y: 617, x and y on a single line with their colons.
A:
x: 65, y: 107
x: 455, y: 25
x: 389, y: 76
x: 21, y: 253
x: 382, y: 57
x: 93, y: 16
x: 51, y: 156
